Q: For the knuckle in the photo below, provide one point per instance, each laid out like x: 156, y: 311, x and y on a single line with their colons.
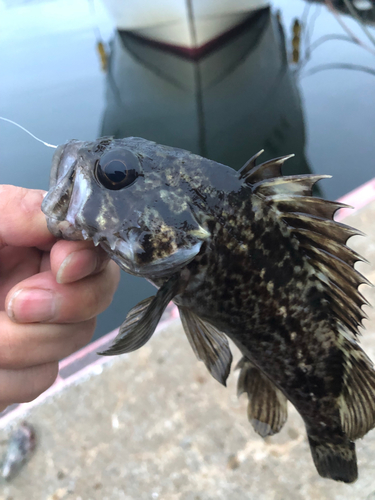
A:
x: 23, y: 386
x: 111, y: 278
x: 42, y: 378
x: 31, y: 200
x: 102, y: 260
x: 9, y: 356
x: 98, y: 297
x: 89, y: 297
x: 86, y: 332
x: 92, y: 303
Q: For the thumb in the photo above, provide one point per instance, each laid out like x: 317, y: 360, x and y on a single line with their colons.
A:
x: 22, y: 222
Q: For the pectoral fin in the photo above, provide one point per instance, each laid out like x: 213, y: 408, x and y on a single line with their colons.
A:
x: 267, y: 408
x: 209, y: 345
x: 142, y: 320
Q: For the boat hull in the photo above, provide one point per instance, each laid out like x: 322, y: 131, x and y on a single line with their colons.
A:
x: 181, y: 23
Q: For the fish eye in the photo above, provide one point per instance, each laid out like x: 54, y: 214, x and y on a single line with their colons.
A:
x: 117, y: 169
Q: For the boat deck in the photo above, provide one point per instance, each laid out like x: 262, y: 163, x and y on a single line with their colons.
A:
x: 155, y: 425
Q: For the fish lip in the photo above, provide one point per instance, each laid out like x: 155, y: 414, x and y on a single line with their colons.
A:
x: 80, y: 193
x: 63, y: 229
x: 65, y: 156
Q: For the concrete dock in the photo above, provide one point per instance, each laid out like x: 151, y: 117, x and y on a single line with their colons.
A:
x: 155, y: 425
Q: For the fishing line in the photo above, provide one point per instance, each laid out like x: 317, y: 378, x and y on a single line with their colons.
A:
x: 28, y: 132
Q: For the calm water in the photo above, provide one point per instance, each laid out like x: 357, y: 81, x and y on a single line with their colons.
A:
x: 240, y: 98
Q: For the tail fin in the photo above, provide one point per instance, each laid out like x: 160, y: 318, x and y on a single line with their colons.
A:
x: 335, y: 461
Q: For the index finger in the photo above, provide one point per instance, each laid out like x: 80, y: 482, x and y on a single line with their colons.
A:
x: 22, y: 223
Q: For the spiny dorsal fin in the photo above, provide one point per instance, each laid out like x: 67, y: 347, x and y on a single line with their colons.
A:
x: 250, y: 165
x: 345, y: 319
x: 329, y: 228
x: 289, y: 185
x: 321, y: 241
x: 311, y: 222
x: 142, y: 320
x: 331, y: 265
x: 334, y: 263
x: 252, y: 173
x: 209, y: 345
x: 357, y: 402
x: 317, y: 207
x: 267, y: 408
x: 349, y: 306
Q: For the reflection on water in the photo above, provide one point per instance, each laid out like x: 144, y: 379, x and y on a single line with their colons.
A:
x: 239, y: 96
x: 224, y: 105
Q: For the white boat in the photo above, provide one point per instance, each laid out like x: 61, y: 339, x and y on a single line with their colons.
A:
x: 189, y: 24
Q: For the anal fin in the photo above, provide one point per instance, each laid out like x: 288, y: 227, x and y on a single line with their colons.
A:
x: 267, y: 409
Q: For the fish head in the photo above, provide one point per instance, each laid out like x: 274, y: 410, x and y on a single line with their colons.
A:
x: 131, y: 197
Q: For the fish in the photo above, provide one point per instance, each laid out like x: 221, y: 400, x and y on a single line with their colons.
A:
x: 250, y: 255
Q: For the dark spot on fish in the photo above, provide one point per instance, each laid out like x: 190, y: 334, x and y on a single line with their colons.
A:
x: 238, y: 300
x: 224, y: 252
x: 300, y: 378
x: 204, y: 260
x: 164, y: 247
x: 226, y: 294
x: 258, y: 258
x: 238, y: 269
x: 317, y: 386
x: 194, y: 267
x: 268, y: 241
x: 246, y: 275
x: 148, y: 254
x: 335, y: 367
x: 266, y: 338
x: 283, y: 274
x: 280, y: 329
x: 314, y: 297
x: 211, y: 225
x: 230, y: 283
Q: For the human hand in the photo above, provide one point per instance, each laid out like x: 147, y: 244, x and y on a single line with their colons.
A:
x: 50, y: 294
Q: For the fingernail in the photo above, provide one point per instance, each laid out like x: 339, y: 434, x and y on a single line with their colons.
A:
x: 77, y: 265
x: 32, y: 306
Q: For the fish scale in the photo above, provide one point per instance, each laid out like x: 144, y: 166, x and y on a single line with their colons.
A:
x: 250, y: 255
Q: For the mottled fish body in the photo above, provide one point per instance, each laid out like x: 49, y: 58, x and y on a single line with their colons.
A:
x: 250, y: 255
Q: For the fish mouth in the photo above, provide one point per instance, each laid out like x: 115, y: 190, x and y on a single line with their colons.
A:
x: 64, y: 203
x: 64, y: 229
